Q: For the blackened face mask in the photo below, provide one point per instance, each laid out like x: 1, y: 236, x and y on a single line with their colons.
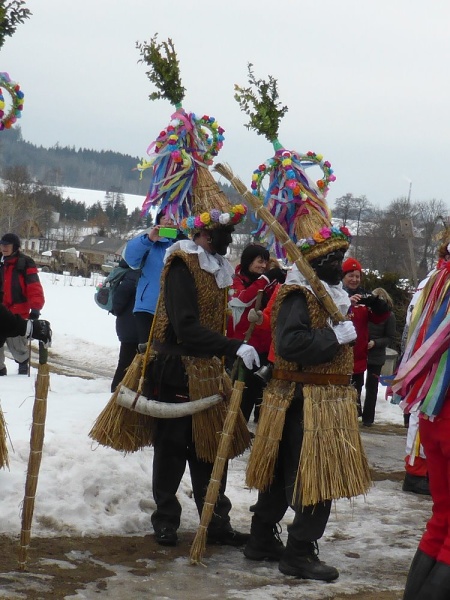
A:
x: 330, y: 268
x: 221, y: 239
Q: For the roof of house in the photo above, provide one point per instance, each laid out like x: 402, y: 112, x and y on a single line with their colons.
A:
x: 101, y: 245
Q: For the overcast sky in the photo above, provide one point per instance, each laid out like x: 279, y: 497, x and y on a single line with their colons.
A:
x: 366, y: 82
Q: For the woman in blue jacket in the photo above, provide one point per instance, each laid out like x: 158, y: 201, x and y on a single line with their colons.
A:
x: 146, y: 252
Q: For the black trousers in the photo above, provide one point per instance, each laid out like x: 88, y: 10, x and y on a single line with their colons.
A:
x: 253, y: 391
x: 126, y: 354
x: 144, y: 322
x: 370, y: 402
x: 309, y: 522
x: 358, y: 382
x: 173, y: 448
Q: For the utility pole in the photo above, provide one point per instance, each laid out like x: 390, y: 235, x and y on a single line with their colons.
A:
x: 407, y: 231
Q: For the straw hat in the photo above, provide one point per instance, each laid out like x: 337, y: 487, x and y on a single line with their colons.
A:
x: 181, y: 183
x: 296, y: 202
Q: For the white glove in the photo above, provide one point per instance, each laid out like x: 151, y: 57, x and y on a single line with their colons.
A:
x: 345, y: 332
x: 255, y: 316
x: 249, y: 356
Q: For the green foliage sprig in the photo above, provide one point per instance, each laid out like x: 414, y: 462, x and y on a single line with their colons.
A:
x: 260, y: 102
x: 164, y: 69
x: 11, y: 14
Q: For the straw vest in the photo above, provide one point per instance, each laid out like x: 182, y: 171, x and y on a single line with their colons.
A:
x: 206, y: 376
x: 332, y: 463
x: 342, y: 362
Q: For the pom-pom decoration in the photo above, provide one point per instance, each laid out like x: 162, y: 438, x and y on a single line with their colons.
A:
x: 213, y: 218
x: 188, y: 141
x: 11, y: 111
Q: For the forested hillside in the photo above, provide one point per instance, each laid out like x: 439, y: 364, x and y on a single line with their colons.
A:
x: 71, y: 167
x: 79, y: 168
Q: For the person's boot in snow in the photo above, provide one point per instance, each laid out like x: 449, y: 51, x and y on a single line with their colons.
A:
x: 436, y: 585
x: 265, y: 542
x: 301, y: 559
x: 416, y: 484
x: 420, y: 568
x: 23, y: 367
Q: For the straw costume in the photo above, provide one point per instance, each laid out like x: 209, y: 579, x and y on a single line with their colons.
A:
x: 187, y: 341
x: 307, y: 450
x: 423, y: 382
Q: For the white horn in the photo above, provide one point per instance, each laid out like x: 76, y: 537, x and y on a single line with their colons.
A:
x: 164, y: 410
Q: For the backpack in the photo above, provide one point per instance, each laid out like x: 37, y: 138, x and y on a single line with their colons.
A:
x: 105, y: 293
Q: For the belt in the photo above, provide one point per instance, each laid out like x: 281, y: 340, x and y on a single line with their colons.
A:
x: 312, y: 378
x: 177, y: 350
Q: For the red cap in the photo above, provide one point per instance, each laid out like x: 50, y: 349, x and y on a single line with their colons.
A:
x: 351, y: 264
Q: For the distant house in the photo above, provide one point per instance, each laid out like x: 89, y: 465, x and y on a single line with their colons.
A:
x: 32, y: 239
x: 101, y: 250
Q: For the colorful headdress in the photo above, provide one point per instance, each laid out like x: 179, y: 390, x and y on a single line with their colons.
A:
x: 11, y: 15
x: 8, y: 116
x: 181, y: 182
x: 297, y: 203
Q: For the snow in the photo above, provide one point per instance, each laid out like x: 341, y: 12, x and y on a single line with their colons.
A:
x: 85, y: 489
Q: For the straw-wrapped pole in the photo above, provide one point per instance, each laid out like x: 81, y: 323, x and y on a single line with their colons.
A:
x: 223, y: 452
x: 292, y: 251
x: 34, y: 460
x: 3, y: 447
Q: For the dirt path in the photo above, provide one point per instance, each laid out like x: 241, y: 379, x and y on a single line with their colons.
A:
x: 58, y: 567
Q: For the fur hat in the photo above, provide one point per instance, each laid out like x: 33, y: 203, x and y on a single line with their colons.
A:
x: 11, y: 238
x: 351, y: 264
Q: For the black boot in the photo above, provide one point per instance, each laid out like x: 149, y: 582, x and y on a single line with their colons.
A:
x: 437, y: 584
x: 23, y: 367
x: 264, y: 542
x: 300, y: 559
x: 416, y: 484
x: 419, y: 570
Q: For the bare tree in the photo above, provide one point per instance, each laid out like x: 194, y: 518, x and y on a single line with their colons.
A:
x: 430, y: 215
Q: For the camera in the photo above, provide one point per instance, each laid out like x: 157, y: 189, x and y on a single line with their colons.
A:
x: 366, y: 299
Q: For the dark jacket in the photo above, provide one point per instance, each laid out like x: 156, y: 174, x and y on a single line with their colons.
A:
x: 383, y: 335
x: 21, y: 288
x: 123, y: 304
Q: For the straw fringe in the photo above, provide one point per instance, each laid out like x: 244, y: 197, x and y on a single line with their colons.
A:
x: 332, y: 464
x: 261, y: 465
x: 207, y: 377
x: 4, y: 462
x: 120, y: 428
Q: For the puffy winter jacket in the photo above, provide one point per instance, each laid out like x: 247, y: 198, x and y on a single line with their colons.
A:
x: 242, y: 297
x: 21, y: 289
x: 142, y: 253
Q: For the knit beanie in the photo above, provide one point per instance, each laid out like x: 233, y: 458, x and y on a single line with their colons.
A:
x: 11, y: 238
x: 249, y: 254
x: 351, y: 264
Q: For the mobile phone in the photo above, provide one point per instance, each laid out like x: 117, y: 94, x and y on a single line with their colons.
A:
x: 168, y: 232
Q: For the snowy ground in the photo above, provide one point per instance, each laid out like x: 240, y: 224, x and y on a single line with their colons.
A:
x: 86, y: 490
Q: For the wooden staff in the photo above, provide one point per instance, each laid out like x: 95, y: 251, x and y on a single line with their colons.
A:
x: 292, y: 250
x: 34, y: 460
x: 223, y: 451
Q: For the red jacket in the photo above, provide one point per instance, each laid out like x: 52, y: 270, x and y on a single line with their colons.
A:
x: 243, y: 294
x: 361, y: 315
x: 22, y: 290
